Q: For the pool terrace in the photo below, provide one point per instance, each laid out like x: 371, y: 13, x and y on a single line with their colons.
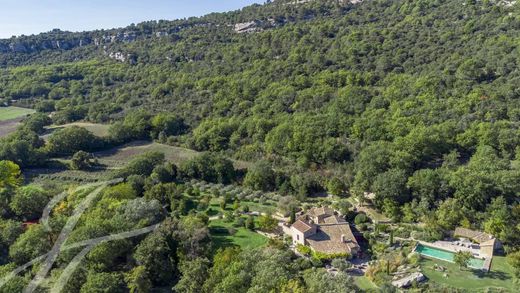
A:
x: 445, y: 250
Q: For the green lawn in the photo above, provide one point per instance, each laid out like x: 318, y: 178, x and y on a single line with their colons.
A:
x: 500, y: 276
x: 7, y: 113
x: 268, y: 207
x: 244, y: 238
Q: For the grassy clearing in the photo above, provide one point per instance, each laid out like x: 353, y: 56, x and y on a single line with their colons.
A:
x: 61, y: 175
x: 115, y: 159
x: 10, y: 118
x: 243, y: 237
x: 500, y: 276
x: 9, y: 126
x: 100, y: 130
x: 8, y: 113
x: 119, y: 156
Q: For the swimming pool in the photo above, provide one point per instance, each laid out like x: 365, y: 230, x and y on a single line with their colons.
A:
x: 445, y: 255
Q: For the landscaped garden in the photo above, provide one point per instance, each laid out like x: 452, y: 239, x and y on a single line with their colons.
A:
x: 500, y: 276
x: 226, y: 234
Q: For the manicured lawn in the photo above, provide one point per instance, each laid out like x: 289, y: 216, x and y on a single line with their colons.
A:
x: 243, y: 237
x: 500, y: 276
x: 8, y: 113
x: 364, y: 283
x: 267, y: 207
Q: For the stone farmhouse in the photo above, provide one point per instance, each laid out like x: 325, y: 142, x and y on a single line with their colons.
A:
x: 323, y: 231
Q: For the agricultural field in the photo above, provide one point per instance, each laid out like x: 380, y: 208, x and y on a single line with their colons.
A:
x: 9, y: 126
x: 114, y: 159
x: 117, y: 157
x: 10, y: 118
x: 500, y: 277
x: 63, y: 175
x: 97, y: 129
x: 8, y: 113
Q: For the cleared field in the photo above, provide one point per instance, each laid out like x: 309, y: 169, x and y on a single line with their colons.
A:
x: 9, y: 126
x: 119, y: 156
x: 100, y: 130
x: 61, y: 174
x: 8, y: 113
x: 10, y: 118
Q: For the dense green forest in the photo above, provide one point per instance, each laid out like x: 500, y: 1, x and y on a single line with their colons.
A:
x: 415, y: 101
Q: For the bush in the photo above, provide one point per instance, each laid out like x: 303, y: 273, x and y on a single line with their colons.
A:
x: 305, y: 250
x: 360, y: 218
x: 229, y: 217
x: 240, y: 222
x: 340, y: 263
x: 82, y: 161
x: 327, y: 256
x: 142, y: 165
x: 267, y: 223
x: 250, y: 223
x: 72, y: 139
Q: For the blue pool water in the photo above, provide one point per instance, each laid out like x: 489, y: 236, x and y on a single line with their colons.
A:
x: 445, y: 255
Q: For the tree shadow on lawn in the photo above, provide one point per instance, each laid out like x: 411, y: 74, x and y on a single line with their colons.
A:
x: 219, y: 231
x: 498, y: 275
x: 220, y: 237
x: 212, y: 212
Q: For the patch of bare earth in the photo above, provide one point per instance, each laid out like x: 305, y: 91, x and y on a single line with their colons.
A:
x: 9, y: 126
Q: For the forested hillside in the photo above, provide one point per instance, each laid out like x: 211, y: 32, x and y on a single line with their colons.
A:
x: 416, y: 101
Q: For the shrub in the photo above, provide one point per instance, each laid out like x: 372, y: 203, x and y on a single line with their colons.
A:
x: 305, y: 250
x: 340, y: 263
x: 250, y: 223
x: 240, y: 222
x: 360, y: 218
x: 326, y: 256
x: 232, y: 231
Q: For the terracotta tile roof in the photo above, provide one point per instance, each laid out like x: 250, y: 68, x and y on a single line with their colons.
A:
x: 328, y: 239
x: 334, y: 220
x: 320, y: 211
x: 301, y: 226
